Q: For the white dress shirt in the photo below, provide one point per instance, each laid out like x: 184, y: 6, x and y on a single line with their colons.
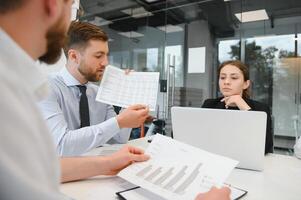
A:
x: 61, y: 110
x: 29, y: 167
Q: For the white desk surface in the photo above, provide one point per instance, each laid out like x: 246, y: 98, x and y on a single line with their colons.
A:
x: 281, y: 179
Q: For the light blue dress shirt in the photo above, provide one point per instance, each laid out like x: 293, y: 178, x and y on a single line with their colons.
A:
x: 61, y: 111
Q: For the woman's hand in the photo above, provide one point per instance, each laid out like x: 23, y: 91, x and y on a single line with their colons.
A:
x: 236, y: 100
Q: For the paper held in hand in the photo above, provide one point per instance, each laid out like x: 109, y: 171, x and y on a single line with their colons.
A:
x: 120, y: 89
x: 178, y: 171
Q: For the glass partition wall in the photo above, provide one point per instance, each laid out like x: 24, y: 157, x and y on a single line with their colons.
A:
x: 271, y: 48
x: 168, y: 35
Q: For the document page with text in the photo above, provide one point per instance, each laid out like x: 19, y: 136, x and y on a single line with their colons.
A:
x: 120, y: 89
x: 177, y: 170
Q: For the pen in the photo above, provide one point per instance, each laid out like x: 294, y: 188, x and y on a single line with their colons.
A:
x: 142, y: 130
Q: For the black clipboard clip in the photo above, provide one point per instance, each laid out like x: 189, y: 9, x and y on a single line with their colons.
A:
x: 119, y: 194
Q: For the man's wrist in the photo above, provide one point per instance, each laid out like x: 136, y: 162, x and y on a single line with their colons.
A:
x: 119, y: 121
x: 106, y: 162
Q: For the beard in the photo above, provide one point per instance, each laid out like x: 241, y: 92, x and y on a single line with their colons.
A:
x: 88, y: 74
x: 56, y: 36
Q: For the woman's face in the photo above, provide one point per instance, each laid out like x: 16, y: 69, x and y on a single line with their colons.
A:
x: 231, y: 81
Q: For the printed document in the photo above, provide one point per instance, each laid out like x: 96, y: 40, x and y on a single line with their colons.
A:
x: 120, y: 89
x: 178, y: 171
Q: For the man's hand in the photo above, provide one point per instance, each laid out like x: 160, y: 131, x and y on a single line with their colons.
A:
x: 124, y: 157
x: 236, y: 100
x: 77, y: 168
x: 133, y: 116
x: 128, y: 71
x: 149, y: 119
x: 215, y: 194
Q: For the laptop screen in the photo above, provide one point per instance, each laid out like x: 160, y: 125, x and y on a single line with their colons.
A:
x: 233, y: 133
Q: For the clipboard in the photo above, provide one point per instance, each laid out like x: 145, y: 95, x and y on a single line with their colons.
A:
x: 142, y: 194
x: 237, y: 193
x: 137, y: 193
x: 120, y: 194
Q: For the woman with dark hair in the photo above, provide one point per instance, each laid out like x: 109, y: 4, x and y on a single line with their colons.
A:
x: 234, y: 85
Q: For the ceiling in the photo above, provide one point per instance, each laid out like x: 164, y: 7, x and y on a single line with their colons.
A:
x: 219, y: 14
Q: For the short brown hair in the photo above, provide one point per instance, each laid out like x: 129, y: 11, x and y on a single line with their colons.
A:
x: 10, y: 5
x: 80, y: 33
x: 243, y: 68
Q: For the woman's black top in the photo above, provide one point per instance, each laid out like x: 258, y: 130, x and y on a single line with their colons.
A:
x: 255, y: 106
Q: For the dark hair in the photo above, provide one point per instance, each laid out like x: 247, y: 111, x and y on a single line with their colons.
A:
x: 243, y: 68
x: 10, y: 5
x: 80, y: 33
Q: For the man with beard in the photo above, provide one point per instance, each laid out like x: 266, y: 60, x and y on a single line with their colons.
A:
x: 29, y: 168
x: 77, y: 127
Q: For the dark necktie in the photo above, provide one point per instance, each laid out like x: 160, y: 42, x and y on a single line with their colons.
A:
x: 83, y: 107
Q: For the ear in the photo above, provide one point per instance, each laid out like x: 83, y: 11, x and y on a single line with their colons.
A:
x: 246, y: 84
x: 74, y: 56
x: 51, y: 8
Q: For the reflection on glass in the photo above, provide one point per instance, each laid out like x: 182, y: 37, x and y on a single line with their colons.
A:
x: 275, y: 75
x: 225, y: 50
x: 152, y: 59
x: 286, y: 98
x: 272, y: 82
x: 176, y: 50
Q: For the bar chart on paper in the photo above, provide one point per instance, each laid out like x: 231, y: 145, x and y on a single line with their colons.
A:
x: 178, y: 182
x: 123, y: 90
x: 180, y: 177
x: 170, y: 178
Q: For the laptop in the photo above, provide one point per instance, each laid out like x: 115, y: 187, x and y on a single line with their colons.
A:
x: 237, y: 134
